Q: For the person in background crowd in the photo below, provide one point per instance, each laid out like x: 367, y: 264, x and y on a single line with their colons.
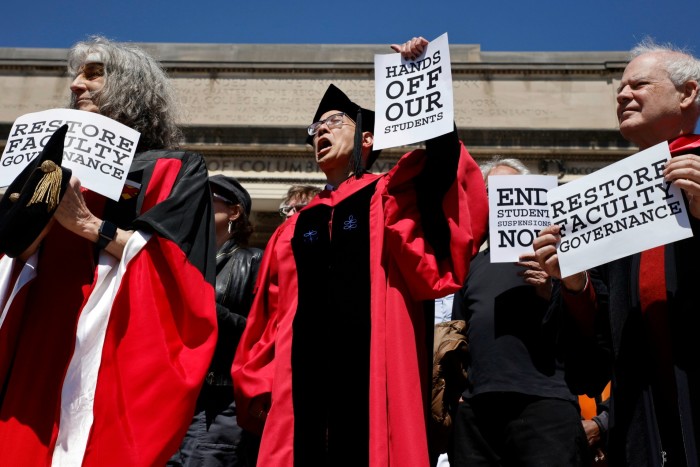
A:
x: 214, y: 438
x: 296, y: 198
x: 108, y: 322
x: 653, y: 300
x: 333, y: 365
x: 594, y: 416
x: 517, y: 409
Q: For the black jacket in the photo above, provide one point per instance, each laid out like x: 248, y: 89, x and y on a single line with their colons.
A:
x: 236, y: 271
x: 633, y: 427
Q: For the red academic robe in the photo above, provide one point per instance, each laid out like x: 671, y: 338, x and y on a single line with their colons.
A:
x: 101, y: 360
x: 404, y: 271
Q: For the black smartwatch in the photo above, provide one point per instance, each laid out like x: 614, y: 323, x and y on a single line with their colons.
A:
x: 107, y: 233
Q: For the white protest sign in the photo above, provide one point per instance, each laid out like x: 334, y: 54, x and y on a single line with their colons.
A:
x: 617, y: 211
x: 517, y: 213
x: 413, y: 98
x: 97, y: 149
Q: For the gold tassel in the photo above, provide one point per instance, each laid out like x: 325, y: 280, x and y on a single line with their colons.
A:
x: 49, y: 188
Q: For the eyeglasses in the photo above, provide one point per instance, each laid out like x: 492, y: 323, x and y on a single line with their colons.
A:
x: 333, y: 121
x: 286, y: 211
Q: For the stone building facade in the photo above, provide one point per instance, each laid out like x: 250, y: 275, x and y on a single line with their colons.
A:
x: 245, y: 107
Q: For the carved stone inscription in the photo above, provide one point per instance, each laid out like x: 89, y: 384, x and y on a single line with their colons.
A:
x: 479, y: 103
x: 266, y: 102
x: 278, y: 167
x: 20, y: 95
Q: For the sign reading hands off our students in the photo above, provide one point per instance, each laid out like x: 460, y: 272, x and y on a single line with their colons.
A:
x: 617, y: 211
x: 97, y: 149
x: 413, y: 98
x: 517, y: 213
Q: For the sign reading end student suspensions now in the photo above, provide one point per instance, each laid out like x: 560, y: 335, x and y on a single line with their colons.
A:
x: 413, y: 98
x: 97, y: 149
x: 517, y: 213
x: 617, y: 211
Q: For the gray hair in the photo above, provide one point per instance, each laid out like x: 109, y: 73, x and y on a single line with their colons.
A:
x: 137, y: 92
x: 680, y: 64
x: 495, y: 161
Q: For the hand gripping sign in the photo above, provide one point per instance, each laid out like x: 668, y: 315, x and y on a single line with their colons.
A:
x: 617, y: 211
x: 97, y: 149
x: 413, y: 98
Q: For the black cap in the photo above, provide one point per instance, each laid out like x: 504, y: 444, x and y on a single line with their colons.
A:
x: 32, y: 198
x: 230, y: 189
x: 335, y: 99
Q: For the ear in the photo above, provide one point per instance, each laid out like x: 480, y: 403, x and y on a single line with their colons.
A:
x: 235, y: 211
x: 367, y: 139
x: 367, y: 143
x: 690, y: 94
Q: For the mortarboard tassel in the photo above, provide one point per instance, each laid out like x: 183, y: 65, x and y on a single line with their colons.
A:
x: 49, y: 188
x: 357, y: 150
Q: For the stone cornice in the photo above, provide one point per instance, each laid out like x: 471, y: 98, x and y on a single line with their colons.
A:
x: 324, y: 58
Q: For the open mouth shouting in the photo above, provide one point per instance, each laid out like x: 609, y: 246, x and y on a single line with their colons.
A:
x: 323, y: 146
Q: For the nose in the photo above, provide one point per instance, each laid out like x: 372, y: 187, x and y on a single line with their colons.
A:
x: 323, y: 129
x: 78, y: 85
x: 624, y: 94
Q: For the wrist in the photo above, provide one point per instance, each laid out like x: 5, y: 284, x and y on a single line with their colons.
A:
x: 576, y: 283
x: 107, y: 232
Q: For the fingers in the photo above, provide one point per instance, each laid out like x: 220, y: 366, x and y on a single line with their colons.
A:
x: 687, y: 165
x: 535, y: 278
x: 412, y: 49
x: 545, y: 246
x: 528, y: 256
x: 684, y: 172
x: 529, y: 261
x: 72, y: 212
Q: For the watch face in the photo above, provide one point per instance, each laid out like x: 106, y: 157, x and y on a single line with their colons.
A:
x: 107, y: 233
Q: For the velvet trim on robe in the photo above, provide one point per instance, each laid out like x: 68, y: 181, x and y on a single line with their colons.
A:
x: 404, y: 271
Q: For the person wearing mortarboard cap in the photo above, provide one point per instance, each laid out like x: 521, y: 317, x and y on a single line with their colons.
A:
x: 214, y: 437
x: 108, y: 319
x: 333, y: 365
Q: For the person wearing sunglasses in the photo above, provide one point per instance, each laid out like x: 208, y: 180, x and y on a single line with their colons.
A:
x: 333, y: 364
x: 214, y: 437
x: 296, y: 198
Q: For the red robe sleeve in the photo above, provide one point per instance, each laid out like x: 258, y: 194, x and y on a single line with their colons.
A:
x: 253, y: 364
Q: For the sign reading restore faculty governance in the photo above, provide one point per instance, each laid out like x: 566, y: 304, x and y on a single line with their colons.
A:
x: 97, y: 149
x: 413, y: 98
x: 617, y: 211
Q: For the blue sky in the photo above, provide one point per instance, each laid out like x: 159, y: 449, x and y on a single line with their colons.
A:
x: 497, y: 25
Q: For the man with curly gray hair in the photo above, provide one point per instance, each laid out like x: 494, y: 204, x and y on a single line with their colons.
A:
x: 111, y: 321
x: 652, y: 296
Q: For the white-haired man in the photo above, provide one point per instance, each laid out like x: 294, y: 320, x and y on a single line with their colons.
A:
x: 653, y: 295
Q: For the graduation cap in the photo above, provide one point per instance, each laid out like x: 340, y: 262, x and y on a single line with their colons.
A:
x: 335, y: 99
x: 231, y: 190
x: 32, y: 198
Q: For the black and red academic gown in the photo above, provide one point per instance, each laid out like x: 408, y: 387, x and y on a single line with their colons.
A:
x: 634, y: 344
x: 101, y: 360
x: 336, y: 334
